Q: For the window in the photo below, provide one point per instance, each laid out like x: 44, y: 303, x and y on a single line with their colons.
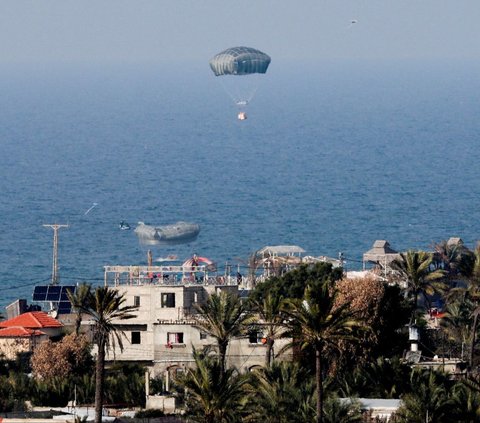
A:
x: 255, y: 337
x: 168, y: 300
x: 174, y: 338
x: 203, y: 335
x: 136, y: 301
x: 136, y: 338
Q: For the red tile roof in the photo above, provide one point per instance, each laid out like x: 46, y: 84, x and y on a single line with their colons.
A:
x: 32, y: 320
x: 19, y: 332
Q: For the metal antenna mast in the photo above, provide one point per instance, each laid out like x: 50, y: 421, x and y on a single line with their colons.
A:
x: 55, y: 228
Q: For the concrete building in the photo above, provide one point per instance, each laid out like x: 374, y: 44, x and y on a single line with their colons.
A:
x: 162, y: 335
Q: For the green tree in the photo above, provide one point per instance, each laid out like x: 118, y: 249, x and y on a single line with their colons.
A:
x: 473, y: 294
x: 281, y: 393
x: 317, y: 322
x: 9, y: 399
x: 53, y: 392
x: 453, y: 259
x: 126, y: 384
x: 85, y: 388
x: 380, y: 378
x: 78, y: 299
x: 213, y: 395
x: 465, y: 401
x: 271, y: 319
x: 456, y: 323
x: 428, y: 401
x: 223, y: 316
x: 469, y: 296
x: 104, y: 307
x: 337, y: 411
x: 292, y: 284
x: 414, y: 267
x: 394, y: 313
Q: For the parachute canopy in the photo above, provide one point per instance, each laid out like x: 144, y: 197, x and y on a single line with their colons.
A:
x: 240, y: 61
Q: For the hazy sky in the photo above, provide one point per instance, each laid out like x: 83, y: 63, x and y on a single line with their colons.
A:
x: 160, y: 30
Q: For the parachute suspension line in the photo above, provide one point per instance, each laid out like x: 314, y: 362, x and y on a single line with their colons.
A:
x: 241, y: 89
x: 234, y: 98
x: 254, y: 91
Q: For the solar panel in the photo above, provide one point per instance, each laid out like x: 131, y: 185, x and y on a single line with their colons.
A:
x: 40, y: 293
x: 65, y: 289
x: 53, y: 293
x: 64, y: 307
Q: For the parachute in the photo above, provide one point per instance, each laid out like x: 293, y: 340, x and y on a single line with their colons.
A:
x: 239, y: 69
x: 240, y: 61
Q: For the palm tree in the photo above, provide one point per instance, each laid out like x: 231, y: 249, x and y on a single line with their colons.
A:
x: 78, y: 300
x: 456, y: 323
x: 466, y: 401
x: 223, y: 317
x: 380, y: 378
x: 470, y: 296
x: 271, y: 318
x: 316, y: 321
x: 337, y: 411
x: 104, y: 306
x: 428, y: 402
x: 451, y: 257
x: 473, y: 293
x: 415, y: 268
x: 281, y: 393
x: 213, y: 394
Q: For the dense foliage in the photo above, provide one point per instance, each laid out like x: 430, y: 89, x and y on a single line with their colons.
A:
x: 349, y: 338
x: 292, y: 284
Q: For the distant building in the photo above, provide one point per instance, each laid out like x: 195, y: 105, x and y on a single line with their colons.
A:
x: 381, y: 256
x: 379, y: 408
x: 22, y: 333
x: 455, y: 241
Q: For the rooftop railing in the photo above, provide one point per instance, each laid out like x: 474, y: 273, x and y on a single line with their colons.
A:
x: 164, y: 275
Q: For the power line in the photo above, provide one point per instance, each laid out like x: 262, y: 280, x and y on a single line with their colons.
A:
x: 25, y: 285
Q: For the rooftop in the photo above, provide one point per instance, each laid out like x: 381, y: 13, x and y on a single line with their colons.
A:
x: 19, y: 332
x: 31, y: 320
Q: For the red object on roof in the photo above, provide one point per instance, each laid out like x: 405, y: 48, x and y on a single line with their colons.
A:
x: 195, y: 260
x: 19, y: 332
x: 32, y: 320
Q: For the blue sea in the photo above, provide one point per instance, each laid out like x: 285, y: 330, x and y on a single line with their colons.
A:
x: 333, y: 156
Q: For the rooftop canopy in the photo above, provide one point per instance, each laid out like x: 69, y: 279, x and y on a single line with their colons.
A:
x: 380, y: 252
x: 455, y: 241
x: 280, y: 250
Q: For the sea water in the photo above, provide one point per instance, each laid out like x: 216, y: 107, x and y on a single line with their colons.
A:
x: 333, y: 156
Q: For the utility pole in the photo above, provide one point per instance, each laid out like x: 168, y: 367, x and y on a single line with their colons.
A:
x: 55, y: 228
